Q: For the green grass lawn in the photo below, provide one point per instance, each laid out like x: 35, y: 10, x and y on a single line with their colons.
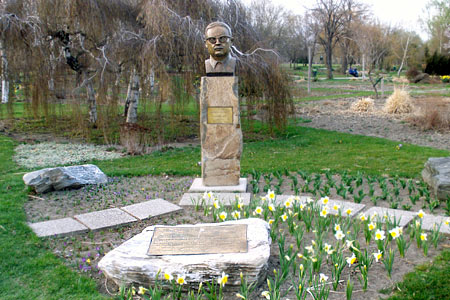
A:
x: 29, y: 271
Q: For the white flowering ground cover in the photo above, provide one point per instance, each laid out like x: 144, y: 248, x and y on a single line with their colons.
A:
x: 51, y: 154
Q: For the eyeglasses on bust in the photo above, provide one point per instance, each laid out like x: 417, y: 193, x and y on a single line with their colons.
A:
x: 222, y: 39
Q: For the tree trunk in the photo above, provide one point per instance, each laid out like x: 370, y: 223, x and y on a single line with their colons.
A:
x: 363, y: 66
x: 91, y: 99
x: 133, y: 88
x: 4, y: 75
x: 329, y: 58
x: 404, y: 57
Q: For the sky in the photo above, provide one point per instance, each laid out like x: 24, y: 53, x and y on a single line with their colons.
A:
x: 401, y: 13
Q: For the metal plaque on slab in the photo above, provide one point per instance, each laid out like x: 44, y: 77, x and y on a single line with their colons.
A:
x: 220, y: 115
x: 199, y: 240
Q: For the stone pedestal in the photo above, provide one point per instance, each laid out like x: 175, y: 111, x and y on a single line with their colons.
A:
x: 220, y: 131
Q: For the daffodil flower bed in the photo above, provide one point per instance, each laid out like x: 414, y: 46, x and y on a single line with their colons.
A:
x: 53, y: 154
x: 314, y: 252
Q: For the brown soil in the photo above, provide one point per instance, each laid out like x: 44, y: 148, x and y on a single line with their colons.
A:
x: 337, y: 115
x: 76, y: 251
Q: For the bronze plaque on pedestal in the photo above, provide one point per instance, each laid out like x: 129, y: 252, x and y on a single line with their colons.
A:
x: 220, y: 115
x: 199, y: 240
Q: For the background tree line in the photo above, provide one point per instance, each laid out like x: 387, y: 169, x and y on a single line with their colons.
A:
x: 88, y: 63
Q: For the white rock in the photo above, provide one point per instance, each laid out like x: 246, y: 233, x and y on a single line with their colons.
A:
x: 130, y: 264
x: 49, y: 179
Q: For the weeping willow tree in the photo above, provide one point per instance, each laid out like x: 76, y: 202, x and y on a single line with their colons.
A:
x: 177, y: 45
x: 93, y: 48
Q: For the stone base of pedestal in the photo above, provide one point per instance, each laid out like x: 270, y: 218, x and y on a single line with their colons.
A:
x: 198, y: 187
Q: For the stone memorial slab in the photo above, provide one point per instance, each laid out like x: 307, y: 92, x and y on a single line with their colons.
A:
x: 58, y: 228
x: 105, y: 218
x: 401, y: 216
x: 227, y: 199
x: 152, y: 208
x: 198, y: 186
x: 430, y: 221
x: 172, y: 240
x: 130, y: 263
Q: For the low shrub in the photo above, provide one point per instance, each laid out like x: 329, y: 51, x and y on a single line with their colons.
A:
x: 412, y: 73
x: 432, y: 114
x: 363, y: 104
x: 399, y: 102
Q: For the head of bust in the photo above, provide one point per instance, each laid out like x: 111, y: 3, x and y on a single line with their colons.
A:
x: 218, y: 40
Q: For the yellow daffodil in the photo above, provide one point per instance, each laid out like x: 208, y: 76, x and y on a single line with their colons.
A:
x: 378, y: 255
x: 223, y: 216
x: 421, y: 214
x: 288, y: 203
x: 301, y: 267
x: 266, y: 294
x: 395, y: 233
x: 258, y: 210
x: 336, y: 207
x: 271, y: 207
x: 323, y: 277
x: 300, y: 256
x: 379, y: 235
x: 325, y: 200
x: 337, y: 227
x: 223, y: 279
x: 181, y: 279
x: 142, y: 290
x: 324, y: 212
x: 362, y: 217
x: 270, y: 195
x: 284, y: 217
x: 240, y: 296
x: 371, y: 226
x: 216, y: 204
x: 423, y: 236
x: 349, y: 211
x: 302, y: 206
x: 351, y: 260
x: 168, y: 276
x: 240, y: 205
x: 271, y: 221
x: 447, y: 221
x: 339, y: 235
x: 236, y: 214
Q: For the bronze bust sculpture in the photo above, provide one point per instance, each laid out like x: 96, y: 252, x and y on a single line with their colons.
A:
x: 218, y: 41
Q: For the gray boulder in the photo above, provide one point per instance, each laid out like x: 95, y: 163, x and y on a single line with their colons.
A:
x: 49, y: 179
x: 437, y: 175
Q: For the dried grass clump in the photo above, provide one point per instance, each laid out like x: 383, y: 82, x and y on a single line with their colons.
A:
x: 400, y: 80
x: 399, y: 102
x: 432, y: 114
x: 363, y: 104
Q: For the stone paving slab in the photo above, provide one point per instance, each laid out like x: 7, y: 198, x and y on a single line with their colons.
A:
x: 197, y: 186
x: 355, y: 208
x: 429, y: 221
x: 400, y: 215
x: 346, y: 208
x: 152, y: 208
x: 58, y: 228
x: 105, y: 218
x: 190, y: 199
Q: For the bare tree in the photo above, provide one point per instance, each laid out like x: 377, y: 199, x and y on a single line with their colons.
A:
x: 330, y: 14
x: 373, y: 40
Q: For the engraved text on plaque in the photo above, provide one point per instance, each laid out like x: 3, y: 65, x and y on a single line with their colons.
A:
x: 220, y: 115
x: 199, y: 240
